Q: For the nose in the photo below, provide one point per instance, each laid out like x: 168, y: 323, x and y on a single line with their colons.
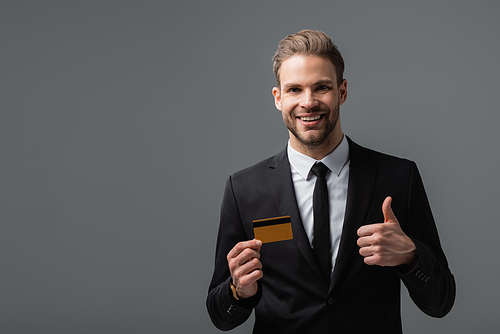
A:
x: 308, y: 100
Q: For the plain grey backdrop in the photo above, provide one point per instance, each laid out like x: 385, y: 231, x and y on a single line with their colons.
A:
x: 120, y: 122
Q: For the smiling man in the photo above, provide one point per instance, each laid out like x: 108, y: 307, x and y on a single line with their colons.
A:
x: 309, y: 99
x: 361, y: 220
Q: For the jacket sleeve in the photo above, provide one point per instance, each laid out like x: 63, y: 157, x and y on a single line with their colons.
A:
x: 225, y: 312
x: 431, y: 284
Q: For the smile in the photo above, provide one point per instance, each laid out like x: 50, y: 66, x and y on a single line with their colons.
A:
x: 310, y: 118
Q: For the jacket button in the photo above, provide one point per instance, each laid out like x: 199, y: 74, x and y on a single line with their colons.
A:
x: 331, y: 301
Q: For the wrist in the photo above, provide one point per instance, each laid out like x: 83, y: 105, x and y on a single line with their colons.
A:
x: 233, y: 290
x: 411, y: 263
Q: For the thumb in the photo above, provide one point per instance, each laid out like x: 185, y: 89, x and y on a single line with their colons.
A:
x: 387, y: 210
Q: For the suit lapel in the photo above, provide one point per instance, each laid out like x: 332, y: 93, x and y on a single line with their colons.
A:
x: 362, y: 176
x: 281, y: 186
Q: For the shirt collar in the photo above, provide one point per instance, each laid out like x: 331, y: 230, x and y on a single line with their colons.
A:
x: 335, y: 160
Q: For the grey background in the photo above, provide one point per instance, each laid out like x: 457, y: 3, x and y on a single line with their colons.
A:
x: 120, y: 122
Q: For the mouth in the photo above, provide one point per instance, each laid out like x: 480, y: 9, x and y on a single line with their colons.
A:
x: 309, y: 118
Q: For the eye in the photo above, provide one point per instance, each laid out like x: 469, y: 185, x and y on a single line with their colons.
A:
x: 323, y: 88
x: 294, y: 90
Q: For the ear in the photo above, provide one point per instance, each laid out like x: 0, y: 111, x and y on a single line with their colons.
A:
x: 277, y: 98
x: 343, y: 92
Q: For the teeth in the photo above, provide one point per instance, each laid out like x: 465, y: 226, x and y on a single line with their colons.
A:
x: 310, y: 118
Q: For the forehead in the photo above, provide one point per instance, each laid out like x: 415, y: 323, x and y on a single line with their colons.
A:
x: 306, y: 69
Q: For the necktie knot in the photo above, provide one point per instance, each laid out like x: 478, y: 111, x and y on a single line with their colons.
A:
x: 319, y: 169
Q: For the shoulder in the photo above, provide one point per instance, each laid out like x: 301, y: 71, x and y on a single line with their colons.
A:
x: 362, y: 155
x: 261, y: 168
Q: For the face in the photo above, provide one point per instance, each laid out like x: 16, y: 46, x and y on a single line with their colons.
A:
x: 309, y: 99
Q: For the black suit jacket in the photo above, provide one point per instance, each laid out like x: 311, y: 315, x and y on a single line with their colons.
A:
x: 293, y: 297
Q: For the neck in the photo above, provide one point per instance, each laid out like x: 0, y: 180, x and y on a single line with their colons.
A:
x: 320, y: 151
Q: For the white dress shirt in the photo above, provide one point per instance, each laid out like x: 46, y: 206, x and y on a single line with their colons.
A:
x: 337, y: 181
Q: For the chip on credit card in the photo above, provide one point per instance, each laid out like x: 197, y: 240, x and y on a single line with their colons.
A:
x: 273, y: 229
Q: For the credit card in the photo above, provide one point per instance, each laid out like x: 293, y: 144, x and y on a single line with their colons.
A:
x: 273, y: 229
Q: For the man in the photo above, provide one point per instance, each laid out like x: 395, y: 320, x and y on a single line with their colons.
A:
x: 361, y: 225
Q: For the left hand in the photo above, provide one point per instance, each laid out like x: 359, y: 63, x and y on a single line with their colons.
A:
x: 386, y: 244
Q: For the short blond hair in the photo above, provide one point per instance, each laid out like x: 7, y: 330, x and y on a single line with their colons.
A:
x: 308, y: 42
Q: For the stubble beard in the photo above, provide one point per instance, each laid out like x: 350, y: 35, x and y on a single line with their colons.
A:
x: 322, y: 138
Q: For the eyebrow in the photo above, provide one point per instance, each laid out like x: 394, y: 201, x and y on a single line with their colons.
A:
x: 323, y: 82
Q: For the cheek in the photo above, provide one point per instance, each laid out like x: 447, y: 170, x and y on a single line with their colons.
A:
x: 287, y: 106
x: 285, y: 114
x: 329, y: 103
x: 328, y: 99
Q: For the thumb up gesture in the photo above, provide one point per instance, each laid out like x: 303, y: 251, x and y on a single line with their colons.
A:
x: 386, y: 244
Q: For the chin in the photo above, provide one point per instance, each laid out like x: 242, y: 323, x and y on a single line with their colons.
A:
x: 314, y: 141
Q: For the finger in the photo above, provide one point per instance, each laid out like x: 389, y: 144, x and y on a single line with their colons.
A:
x: 241, y: 246
x: 371, y: 260
x: 366, y: 230
x: 257, y: 244
x: 251, y: 277
x: 364, y: 242
x: 248, y: 267
x: 366, y: 251
x: 387, y: 210
x: 247, y: 255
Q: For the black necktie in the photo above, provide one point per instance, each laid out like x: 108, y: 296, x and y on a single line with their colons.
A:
x: 321, y: 242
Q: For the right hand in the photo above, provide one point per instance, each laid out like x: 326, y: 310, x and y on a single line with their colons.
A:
x: 245, y: 267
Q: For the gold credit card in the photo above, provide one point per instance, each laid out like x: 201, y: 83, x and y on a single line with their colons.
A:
x: 273, y: 229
